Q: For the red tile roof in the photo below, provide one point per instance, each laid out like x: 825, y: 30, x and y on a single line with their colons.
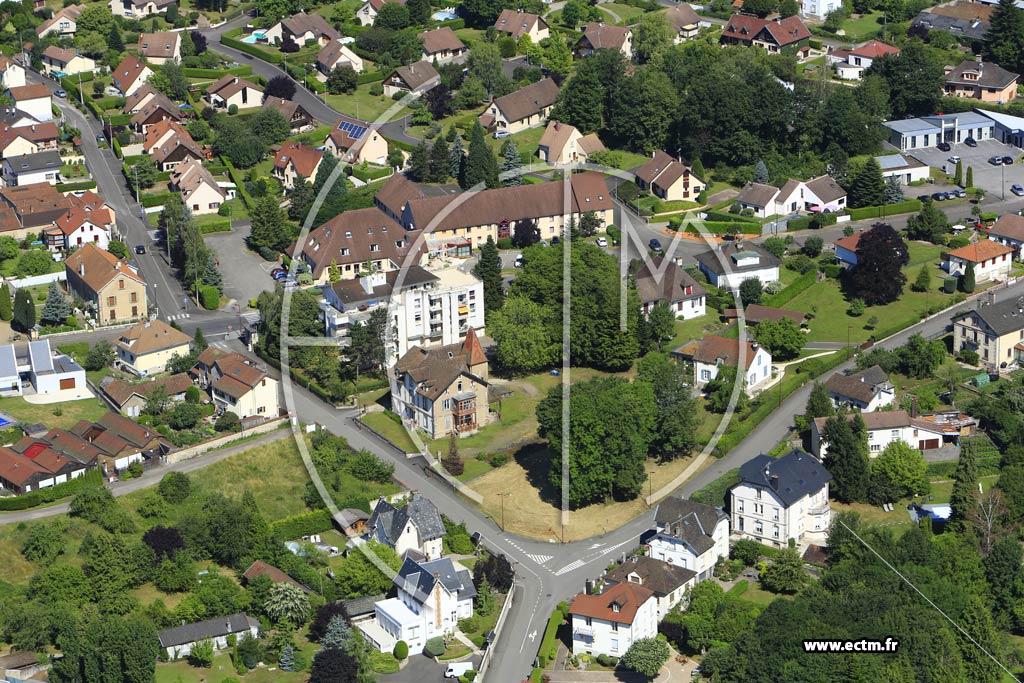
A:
x: 980, y: 251
x: 619, y: 603
x: 304, y: 159
x: 873, y: 49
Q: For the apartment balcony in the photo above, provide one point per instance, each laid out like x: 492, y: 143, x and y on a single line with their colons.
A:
x: 464, y: 407
x: 583, y: 633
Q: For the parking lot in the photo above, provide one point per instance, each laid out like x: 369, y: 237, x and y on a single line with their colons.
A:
x: 993, y: 179
x: 245, y: 273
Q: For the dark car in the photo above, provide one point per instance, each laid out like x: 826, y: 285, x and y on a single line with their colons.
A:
x: 995, y: 161
x: 278, y: 274
x: 100, y: 139
x: 944, y: 146
x: 971, y: 142
x: 554, y: 240
x: 655, y: 244
x: 140, y: 248
x: 1007, y: 161
x: 939, y: 196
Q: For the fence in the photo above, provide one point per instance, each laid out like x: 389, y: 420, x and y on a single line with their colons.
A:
x: 59, y: 276
x: 505, y: 607
x: 199, y: 449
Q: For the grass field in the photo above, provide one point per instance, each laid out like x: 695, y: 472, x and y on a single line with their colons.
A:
x: 862, y: 27
x: 390, y: 430
x: 361, y: 103
x: 70, y: 412
x: 627, y: 13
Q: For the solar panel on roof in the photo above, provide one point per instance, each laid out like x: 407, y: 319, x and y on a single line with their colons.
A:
x: 354, y: 131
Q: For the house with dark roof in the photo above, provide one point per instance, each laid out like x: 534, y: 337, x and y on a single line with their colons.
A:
x: 598, y: 35
x: 169, y: 144
x: 36, y: 468
x: 130, y: 398
x: 995, y: 331
x: 232, y: 90
x: 31, y: 169
x: 711, y: 352
x: 431, y: 599
x: 442, y: 45
x: 867, y: 390
x: 671, y: 584
x: 160, y: 48
x: 781, y: 499
x: 415, y: 526
x: 564, y: 144
x: 685, y: 22
x: 33, y: 100
x: 239, y: 386
x: 727, y: 265
x: 146, y: 347
x: 611, y: 621
x: 200, y: 191
x: 668, y: 179
x: 517, y: 23
x: 178, y: 641
x: 294, y: 113
x: 688, y: 534
x: 887, y: 426
x: 63, y: 23
x: 261, y: 568
x: 354, y: 239
x: 1009, y: 231
x: 409, y: 78
x: 21, y: 665
x: 522, y: 109
x: 443, y: 389
x: 775, y: 36
x: 665, y: 281
x: 335, y: 55
x: 63, y: 61
x: 300, y: 28
x: 296, y: 162
x: 985, y: 81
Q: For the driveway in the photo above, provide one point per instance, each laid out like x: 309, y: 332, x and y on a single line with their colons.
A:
x: 421, y: 669
x: 245, y: 273
x: 993, y: 179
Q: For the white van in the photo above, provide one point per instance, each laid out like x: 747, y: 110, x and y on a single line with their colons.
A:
x: 457, y: 669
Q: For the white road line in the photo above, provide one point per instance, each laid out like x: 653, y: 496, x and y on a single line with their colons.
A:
x: 539, y: 559
x: 569, y: 567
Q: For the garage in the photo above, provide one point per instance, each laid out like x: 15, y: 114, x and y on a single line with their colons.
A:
x: 927, y: 444
x: 68, y: 383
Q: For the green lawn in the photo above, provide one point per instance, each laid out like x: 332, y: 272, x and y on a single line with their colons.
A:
x: 361, y: 103
x: 391, y: 430
x: 863, y: 27
x: 62, y: 415
x: 627, y: 13
x: 696, y: 327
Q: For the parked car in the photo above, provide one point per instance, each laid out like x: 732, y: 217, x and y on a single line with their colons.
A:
x: 456, y: 669
x: 960, y: 193
x: 60, y: 93
x: 499, y: 134
x: 943, y: 146
x: 140, y: 248
x: 602, y: 242
x: 554, y: 240
x: 995, y: 161
x: 519, y: 262
x: 100, y: 140
x: 939, y: 196
x: 655, y: 245
x: 1017, y: 190
x: 1007, y: 161
x: 278, y: 274
x: 954, y: 159
x: 971, y: 142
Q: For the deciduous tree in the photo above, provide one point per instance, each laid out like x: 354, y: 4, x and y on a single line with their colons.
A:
x: 881, y: 254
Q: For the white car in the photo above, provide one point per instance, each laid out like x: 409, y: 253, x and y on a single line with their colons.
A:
x: 457, y: 669
x: 602, y: 242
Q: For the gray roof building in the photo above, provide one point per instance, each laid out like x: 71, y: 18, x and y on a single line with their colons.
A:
x: 207, y: 630
x: 387, y: 522
x: 861, y: 386
x: 791, y: 477
x: 734, y: 252
x: 661, y: 577
x: 361, y: 607
x: 419, y: 578
x: 1003, y: 317
x: 31, y: 163
x: 689, y: 521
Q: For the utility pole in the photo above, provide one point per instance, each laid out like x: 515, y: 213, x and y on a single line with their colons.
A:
x: 81, y: 96
x: 848, y: 328
x: 135, y: 168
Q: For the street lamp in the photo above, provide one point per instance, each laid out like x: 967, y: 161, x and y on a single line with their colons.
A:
x: 135, y: 168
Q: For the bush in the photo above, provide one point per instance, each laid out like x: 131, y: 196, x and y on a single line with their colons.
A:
x: 401, y: 650
x: 302, y: 524
x: 434, y: 647
x: 968, y: 356
x: 798, y: 223
x: 209, y: 297
x: 504, y: 243
x: 832, y: 270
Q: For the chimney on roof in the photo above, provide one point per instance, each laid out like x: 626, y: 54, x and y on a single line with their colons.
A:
x: 774, y: 481
x: 81, y: 268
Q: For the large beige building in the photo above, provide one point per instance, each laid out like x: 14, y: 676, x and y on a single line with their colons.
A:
x: 115, y: 290
x: 994, y: 330
x: 525, y: 108
x: 443, y: 389
x: 199, y: 189
x: 145, y: 348
x: 238, y: 386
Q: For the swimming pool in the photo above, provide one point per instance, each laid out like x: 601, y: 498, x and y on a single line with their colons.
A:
x: 5, y: 420
x: 446, y: 15
x: 256, y: 35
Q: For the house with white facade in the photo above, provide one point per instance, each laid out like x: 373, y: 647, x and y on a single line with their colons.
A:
x: 427, y: 307
x: 232, y: 90
x: 238, y: 386
x: 63, y: 23
x: 820, y: 194
x: 712, y: 352
x: 904, y: 167
x: 866, y: 391
x: 688, y: 534
x: 31, y: 169
x: 664, y: 281
x: 36, y: 365
x: 995, y: 331
x: 990, y: 260
x: 610, y: 622
x: 729, y: 264
x: 929, y: 131
x: 923, y: 433
x: 781, y: 499
x: 1009, y: 231
x: 850, y: 64
x: 33, y: 100
x: 525, y: 108
x: 415, y: 527
x: 668, y: 178
x: 179, y: 640
x: 431, y: 599
x: 671, y: 584
x: 12, y: 74
x: 819, y: 9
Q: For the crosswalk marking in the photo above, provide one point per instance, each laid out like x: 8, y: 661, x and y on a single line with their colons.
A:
x: 569, y: 567
x: 539, y: 559
x: 179, y: 316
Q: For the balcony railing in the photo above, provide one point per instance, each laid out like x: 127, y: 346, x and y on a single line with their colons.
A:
x: 464, y: 407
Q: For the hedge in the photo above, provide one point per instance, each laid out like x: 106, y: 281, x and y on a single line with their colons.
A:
x: 714, y: 215
x: 151, y: 200
x: 549, y: 646
x: 537, y: 676
x: 370, y: 77
x: 117, y: 150
x: 723, y: 228
x: 239, y: 184
x: 193, y: 72
x: 908, y: 206
x: 254, y: 51
x: 215, y: 226
x: 302, y: 524
x: 796, y: 287
x: 370, y: 173
x: 798, y: 223
x: 120, y: 119
x: 76, y: 187
x: 209, y: 297
x: 48, y: 495
x: 453, y: 24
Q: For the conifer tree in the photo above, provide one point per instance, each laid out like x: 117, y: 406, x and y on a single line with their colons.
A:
x: 511, y: 164
x: 488, y: 269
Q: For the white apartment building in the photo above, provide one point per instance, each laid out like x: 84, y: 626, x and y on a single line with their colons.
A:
x: 425, y: 307
x: 689, y: 535
x: 608, y: 623
x: 781, y: 499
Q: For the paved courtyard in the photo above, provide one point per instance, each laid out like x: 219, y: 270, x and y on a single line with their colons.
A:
x: 993, y: 179
x: 421, y: 669
x: 245, y: 273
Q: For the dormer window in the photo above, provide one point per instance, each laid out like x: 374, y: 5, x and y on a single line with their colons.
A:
x: 616, y: 607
